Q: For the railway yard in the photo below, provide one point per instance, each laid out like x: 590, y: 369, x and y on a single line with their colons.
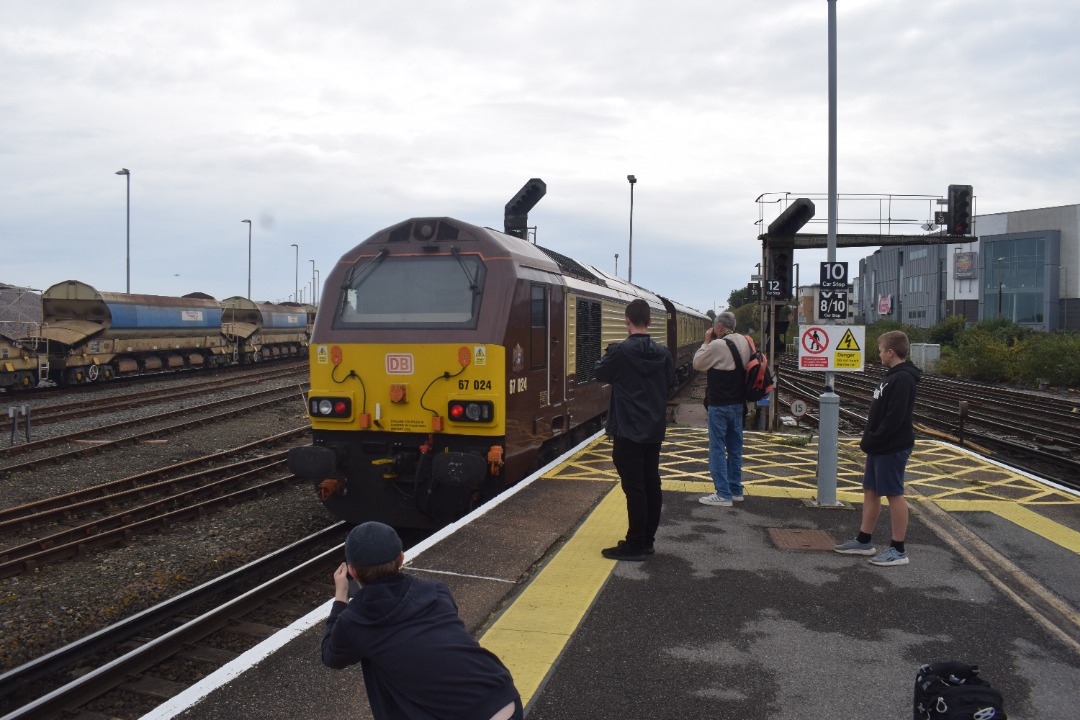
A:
x: 140, y: 493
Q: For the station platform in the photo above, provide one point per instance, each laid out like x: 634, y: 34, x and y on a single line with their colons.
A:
x: 743, y: 612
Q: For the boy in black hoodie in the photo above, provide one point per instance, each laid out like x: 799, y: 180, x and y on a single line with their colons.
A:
x: 641, y: 373
x: 418, y: 661
x: 888, y: 440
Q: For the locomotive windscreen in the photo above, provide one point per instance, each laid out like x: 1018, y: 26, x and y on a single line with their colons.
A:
x: 438, y: 291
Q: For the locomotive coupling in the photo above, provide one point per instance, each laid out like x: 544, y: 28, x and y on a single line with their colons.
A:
x: 330, y: 487
x: 495, y: 459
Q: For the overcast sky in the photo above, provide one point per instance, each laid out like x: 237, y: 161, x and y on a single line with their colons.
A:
x: 324, y: 122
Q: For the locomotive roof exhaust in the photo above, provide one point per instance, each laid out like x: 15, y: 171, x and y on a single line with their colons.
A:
x: 516, y: 218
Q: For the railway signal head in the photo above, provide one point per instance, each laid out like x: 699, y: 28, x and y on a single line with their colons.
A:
x: 960, y: 209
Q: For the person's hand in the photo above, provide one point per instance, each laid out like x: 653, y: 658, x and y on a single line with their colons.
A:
x: 341, y: 583
x: 709, y: 335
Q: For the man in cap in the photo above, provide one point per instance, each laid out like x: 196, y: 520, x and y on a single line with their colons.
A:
x: 417, y: 658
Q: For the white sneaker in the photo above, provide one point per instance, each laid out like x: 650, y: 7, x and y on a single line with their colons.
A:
x: 715, y: 499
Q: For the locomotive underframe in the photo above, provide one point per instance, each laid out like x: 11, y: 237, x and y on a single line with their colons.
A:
x: 403, y: 479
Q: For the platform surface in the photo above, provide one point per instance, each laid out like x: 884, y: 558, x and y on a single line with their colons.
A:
x: 743, y: 612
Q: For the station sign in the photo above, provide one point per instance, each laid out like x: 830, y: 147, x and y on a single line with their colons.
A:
x: 834, y: 276
x: 838, y: 348
x: 832, y: 304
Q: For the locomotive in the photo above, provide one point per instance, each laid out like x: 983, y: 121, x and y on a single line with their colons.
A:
x: 88, y: 336
x: 449, y: 361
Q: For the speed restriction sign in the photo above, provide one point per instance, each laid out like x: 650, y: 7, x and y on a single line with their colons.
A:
x: 798, y: 408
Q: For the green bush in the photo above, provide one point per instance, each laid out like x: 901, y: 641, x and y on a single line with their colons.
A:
x: 980, y: 355
x: 946, y: 332
x: 1054, y: 357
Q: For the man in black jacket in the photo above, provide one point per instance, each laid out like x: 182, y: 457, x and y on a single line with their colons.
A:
x: 641, y: 373
x: 888, y: 440
x: 418, y: 661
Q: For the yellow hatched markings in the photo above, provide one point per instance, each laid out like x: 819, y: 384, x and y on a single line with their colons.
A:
x: 531, y: 634
x: 938, y: 472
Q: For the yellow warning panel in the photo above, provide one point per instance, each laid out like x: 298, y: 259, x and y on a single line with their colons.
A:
x: 847, y: 360
x: 848, y: 342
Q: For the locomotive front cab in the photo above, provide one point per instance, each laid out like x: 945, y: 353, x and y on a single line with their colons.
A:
x: 406, y: 402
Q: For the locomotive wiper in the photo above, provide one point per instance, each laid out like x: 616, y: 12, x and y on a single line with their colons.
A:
x: 472, y: 283
x: 367, y: 267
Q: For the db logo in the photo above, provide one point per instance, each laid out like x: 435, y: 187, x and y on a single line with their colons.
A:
x: 399, y: 364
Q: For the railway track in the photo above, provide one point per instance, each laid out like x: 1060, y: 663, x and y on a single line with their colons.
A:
x: 130, y: 667
x: 135, y: 430
x: 1038, y: 433
x: 46, y: 414
x: 115, y: 512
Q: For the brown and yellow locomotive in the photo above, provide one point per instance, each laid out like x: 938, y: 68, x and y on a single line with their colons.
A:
x: 449, y: 361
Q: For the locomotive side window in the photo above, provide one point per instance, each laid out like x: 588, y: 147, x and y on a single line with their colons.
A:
x: 588, y: 339
x: 410, y: 291
x: 538, y: 332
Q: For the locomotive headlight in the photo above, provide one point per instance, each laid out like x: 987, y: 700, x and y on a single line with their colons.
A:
x: 330, y: 407
x: 471, y: 411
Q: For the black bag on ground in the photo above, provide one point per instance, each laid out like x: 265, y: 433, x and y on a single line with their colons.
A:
x: 954, y: 691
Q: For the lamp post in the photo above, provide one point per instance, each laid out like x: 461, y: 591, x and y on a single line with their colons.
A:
x: 630, y: 254
x: 1064, y: 293
x: 249, y: 257
x: 616, y: 264
x: 1001, y: 284
x: 318, y: 278
x: 127, y: 175
x: 314, y: 287
x: 296, y: 280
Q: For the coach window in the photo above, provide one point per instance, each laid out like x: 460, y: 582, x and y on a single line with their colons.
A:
x: 439, y: 291
x: 538, y: 332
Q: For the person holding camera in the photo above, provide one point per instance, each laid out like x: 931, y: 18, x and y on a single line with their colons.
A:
x: 418, y: 661
x: 725, y: 398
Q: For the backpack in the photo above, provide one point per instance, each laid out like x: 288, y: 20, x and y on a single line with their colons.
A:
x: 954, y: 691
x: 760, y: 380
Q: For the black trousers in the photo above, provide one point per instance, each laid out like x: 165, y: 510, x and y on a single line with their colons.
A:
x: 638, y: 465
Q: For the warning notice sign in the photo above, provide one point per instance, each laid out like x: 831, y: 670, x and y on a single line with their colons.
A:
x: 832, y: 347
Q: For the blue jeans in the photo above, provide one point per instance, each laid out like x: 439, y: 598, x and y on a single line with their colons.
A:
x: 725, y: 449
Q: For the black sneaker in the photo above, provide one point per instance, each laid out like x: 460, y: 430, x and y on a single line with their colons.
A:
x: 622, y: 551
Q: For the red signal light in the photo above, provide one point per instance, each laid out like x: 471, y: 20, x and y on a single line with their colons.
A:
x: 457, y: 411
x: 340, y: 407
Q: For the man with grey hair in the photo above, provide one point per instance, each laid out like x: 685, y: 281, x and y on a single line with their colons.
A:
x: 725, y: 398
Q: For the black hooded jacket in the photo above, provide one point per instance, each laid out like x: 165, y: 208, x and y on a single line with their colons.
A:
x: 419, y: 662
x: 888, y: 425
x: 641, y: 373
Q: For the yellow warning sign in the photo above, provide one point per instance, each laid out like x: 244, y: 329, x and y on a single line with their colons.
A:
x: 848, y: 342
x: 479, y: 355
x: 847, y: 360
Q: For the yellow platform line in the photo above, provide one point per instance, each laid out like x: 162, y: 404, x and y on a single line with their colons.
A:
x: 1053, y: 531
x: 532, y: 632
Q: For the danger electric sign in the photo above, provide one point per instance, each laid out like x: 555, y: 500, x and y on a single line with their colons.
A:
x: 832, y: 347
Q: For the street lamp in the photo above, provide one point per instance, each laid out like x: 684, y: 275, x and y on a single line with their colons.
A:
x: 616, y: 264
x: 1001, y: 284
x: 249, y: 257
x: 127, y: 175
x: 1064, y: 293
x: 630, y: 255
x: 318, y: 278
x: 296, y: 280
x: 314, y: 287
